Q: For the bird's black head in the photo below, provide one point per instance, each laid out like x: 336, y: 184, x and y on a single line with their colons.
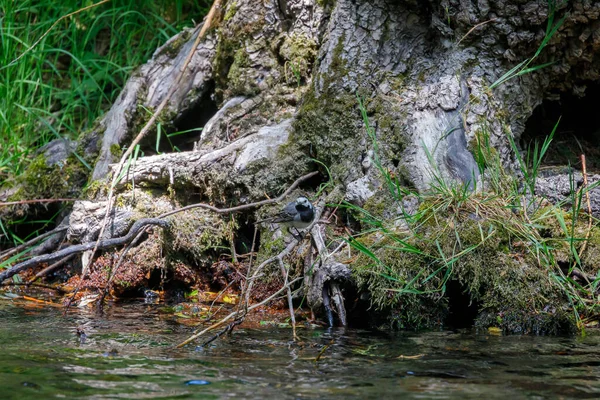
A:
x: 303, y: 204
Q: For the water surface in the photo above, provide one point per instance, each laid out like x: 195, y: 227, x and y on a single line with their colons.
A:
x: 129, y: 353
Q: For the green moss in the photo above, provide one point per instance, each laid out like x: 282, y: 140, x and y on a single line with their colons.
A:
x: 173, y: 48
x: 196, y: 233
x: 237, y: 80
x: 41, y: 181
x: 299, y: 53
x: 328, y: 124
x: 232, y: 71
x: 326, y: 3
x: 509, y: 288
x: 270, y: 246
x: 231, y: 10
x: 591, y: 257
x: 386, y: 279
x: 115, y: 150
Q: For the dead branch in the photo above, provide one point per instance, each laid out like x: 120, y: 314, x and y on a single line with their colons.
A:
x: 227, y: 329
x: 233, y: 314
x: 14, y: 203
x: 244, y: 206
x: 33, y: 241
x: 586, y: 190
x: 285, y: 275
x: 102, y: 244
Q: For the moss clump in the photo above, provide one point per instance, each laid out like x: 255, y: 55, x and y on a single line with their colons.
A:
x: 299, y: 53
x: 480, y: 248
x: 387, y: 279
x: 239, y: 84
x: 42, y: 181
x: 234, y: 75
x: 270, y: 245
x: 328, y: 124
x: 231, y: 10
x: 328, y: 121
x: 590, y: 259
x: 197, y: 232
x: 115, y: 150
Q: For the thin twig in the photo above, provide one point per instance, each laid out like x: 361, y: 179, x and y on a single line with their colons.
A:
x: 31, y: 242
x: 475, y: 27
x: 244, y: 206
x: 33, y: 201
x: 585, y: 188
x: 285, y: 275
x: 233, y: 314
x: 227, y: 329
x: 50, y: 268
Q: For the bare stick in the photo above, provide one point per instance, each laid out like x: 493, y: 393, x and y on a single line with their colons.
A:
x: 102, y: 244
x: 233, y: 314
x: 475, y: 27
x: 589, y: 205
x: 244, y: 206
x: 31, y: 242
x: 12, y: 203
x: 289, y: 296
x: 50, y: 268
x: 227, y: 329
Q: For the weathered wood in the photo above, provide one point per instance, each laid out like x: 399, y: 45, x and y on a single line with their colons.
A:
x: 103, y: 244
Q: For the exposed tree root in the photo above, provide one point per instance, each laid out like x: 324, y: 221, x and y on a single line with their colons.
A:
x: 133, y: 235
x: 50, y: 268
x: 325, y: 275
x: 28, y: 245
x: 102, y: 244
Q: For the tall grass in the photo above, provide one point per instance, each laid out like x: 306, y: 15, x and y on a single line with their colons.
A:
x: 61, y: 85
x: 434, y: 239
x: 543, y: 232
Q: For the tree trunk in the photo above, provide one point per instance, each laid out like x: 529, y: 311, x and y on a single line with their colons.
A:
x: 277, y: 84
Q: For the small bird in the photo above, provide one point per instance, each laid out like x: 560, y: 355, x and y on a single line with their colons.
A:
x: 296, y: 214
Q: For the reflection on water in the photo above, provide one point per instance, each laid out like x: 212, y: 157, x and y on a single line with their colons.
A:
x: 129, y: 353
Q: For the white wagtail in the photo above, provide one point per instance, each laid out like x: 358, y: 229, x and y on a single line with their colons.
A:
x: 296, y: 214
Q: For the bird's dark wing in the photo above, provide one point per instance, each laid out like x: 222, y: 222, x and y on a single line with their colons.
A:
x: 287, y: 214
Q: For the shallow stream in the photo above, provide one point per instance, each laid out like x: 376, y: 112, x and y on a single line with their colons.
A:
x: 129, y: 353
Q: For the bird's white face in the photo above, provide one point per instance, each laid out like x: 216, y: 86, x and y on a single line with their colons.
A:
x: 303, y: 201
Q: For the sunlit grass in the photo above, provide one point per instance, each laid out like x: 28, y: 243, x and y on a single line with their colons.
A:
x: 60, y: 86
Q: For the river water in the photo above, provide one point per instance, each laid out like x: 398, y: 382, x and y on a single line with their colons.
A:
x: 129, y: 353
